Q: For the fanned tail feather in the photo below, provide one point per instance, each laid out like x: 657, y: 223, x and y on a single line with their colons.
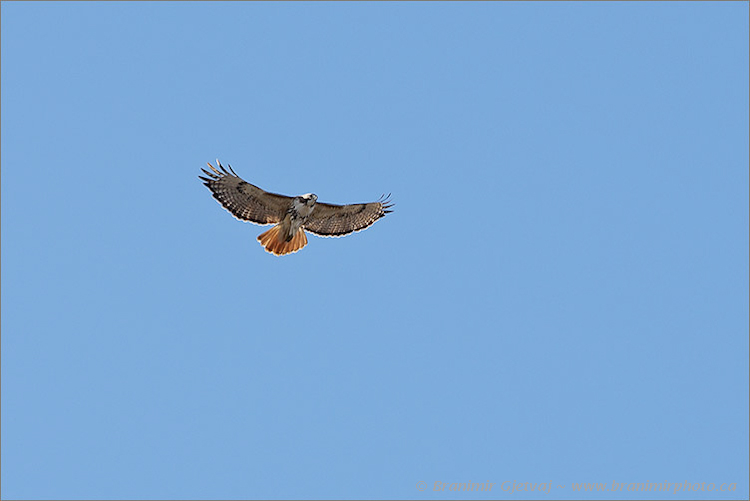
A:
x: 273, y: 241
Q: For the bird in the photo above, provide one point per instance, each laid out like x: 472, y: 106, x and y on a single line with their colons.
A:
x: 291, y: 216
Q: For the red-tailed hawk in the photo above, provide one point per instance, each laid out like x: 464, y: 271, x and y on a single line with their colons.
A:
x: 291, y: 215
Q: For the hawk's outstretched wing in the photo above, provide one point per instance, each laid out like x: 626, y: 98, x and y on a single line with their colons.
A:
x: 329, y: 220
x: 244, y: 200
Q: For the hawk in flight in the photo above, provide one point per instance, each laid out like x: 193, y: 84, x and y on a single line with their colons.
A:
x: 290, y: 215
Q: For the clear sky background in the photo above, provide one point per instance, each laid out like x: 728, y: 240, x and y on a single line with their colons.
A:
x: 561, y: 294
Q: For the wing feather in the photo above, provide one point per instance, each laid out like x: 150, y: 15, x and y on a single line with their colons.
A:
x: 329, y: 220
x: 243, y: 200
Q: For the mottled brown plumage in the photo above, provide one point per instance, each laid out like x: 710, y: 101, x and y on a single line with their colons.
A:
x: 291, y: 215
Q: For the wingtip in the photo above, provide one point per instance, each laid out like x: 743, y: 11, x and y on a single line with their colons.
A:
x: 223, y: 169
x: 216, y: 173
x: 219, y: 170
x: 385, y: 204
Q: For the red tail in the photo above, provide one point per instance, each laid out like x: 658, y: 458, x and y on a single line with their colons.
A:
x: 274, y: 242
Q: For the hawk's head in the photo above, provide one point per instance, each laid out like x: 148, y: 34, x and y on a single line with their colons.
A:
x: 309, y: 199
x: 303, y: 205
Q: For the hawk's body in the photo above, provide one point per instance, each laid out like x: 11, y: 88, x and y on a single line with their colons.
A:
x: 292, y: 216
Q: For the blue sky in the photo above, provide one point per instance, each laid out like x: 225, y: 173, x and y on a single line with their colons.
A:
x: 561, y: 295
